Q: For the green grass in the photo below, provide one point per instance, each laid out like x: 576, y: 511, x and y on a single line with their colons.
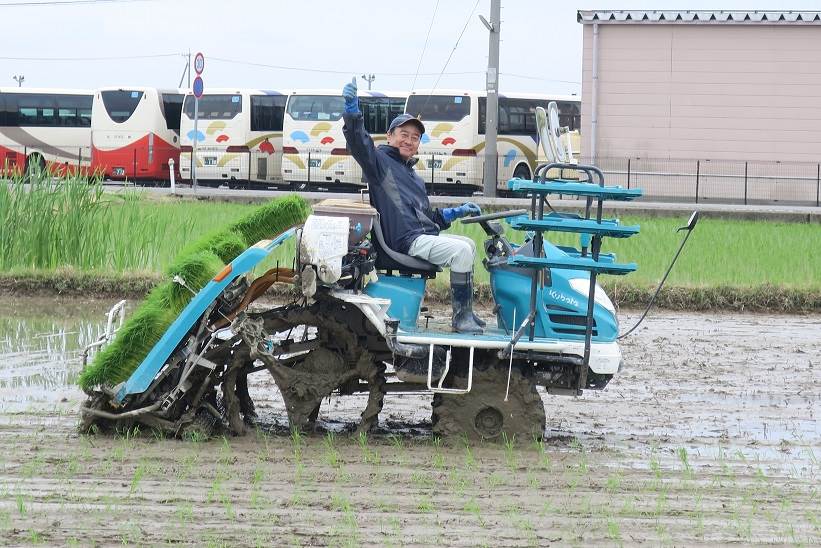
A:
x: 71, y: 224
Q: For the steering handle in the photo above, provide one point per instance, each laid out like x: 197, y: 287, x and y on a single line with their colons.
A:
x: 493, y: 216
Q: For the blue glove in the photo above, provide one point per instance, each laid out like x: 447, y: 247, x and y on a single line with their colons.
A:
x: 349, y: 94
x: 450, y: 214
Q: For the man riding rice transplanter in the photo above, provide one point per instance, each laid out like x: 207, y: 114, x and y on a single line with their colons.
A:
x: 408, y: 222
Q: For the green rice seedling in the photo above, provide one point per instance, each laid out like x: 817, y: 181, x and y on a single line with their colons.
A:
x: 439, y: 461
x: 21, y: 504
x: 458, y: 481
x: 34, y: 536
x: 685, y: 463
x: 139, y: 472
x: 140, y: 332
x: 296, y: 443
x: 331, y: 454
x: 472, y: 507
x: 614, y: 482
x: 425, y: 504
x: 470, y: 460
x: 421, y: 480
x: 369, y: 456
x: 340, y: 502
x: 185, y: 513
x: 541, y: 450
x: 613, y: 529
x: 511, y: 459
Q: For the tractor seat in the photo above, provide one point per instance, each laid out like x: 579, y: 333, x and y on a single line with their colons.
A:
x: 389, y: 259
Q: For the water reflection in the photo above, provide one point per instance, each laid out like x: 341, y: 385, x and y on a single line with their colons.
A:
x: 41, y: 344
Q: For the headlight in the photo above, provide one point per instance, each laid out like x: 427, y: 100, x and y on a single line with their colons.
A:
x: 582, y: 286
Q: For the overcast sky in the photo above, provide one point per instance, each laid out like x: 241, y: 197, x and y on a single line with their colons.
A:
x: 51, y: 43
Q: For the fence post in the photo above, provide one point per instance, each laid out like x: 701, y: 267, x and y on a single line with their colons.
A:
x: 135, y: 166
x: 309, y: 167
x: 745, y: 183
x: 249, y: 167
x: 818, y: 185
x: 698, y: 171
x: 628, y: 173
x: 79, y: 159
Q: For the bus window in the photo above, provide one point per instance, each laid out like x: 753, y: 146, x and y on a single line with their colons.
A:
x: 569, y: 115
x: 214, y: 107
x: 439, y: 108
x: 121, y: 104
x: 267, y: 112
x: 314, y: 108
x: 171, y: 109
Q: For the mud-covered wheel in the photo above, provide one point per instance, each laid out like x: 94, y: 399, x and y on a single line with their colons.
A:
x: 483, y: 412
x: 201, y: 428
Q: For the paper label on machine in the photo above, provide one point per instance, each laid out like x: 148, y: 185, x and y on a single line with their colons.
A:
x: 323, y: 244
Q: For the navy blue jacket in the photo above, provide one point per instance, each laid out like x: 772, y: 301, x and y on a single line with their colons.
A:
x: 396, y: 191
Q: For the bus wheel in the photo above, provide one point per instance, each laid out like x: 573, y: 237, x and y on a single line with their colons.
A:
x: 35, y: 165
x: 521, y: 172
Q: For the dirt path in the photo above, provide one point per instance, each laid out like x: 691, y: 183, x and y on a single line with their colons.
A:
x: 709, y: 435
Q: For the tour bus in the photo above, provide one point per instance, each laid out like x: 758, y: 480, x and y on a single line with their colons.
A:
x: 135, y: 131
x: 239, y: 137
x: 452, y: 151
x: 45, y: 129
x: 314, y: 148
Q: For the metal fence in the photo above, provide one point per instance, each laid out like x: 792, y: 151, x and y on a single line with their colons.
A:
x: 717, y: 181
x: 673, y: 180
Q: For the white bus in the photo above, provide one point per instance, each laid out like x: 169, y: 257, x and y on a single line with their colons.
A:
x: 46, y: 129
x: 314, y: 148
x: 239, y: 137
x: 452, y: 152
x: 135, y: 131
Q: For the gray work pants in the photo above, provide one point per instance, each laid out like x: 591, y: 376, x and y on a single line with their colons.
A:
x: 456, y: 252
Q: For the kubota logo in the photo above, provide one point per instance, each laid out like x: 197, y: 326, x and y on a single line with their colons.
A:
x: 561, y: 297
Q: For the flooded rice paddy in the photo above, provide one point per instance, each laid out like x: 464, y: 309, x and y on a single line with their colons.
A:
x: 708, y: 435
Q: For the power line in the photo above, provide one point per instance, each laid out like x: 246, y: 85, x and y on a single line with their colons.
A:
x: 65, y: 3
x: 114, y: 58
x: 425, y: 47
x: 455, y: 45
x: 328, y: 71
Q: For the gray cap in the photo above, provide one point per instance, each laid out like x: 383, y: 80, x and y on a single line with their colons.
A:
x: 403, y: 119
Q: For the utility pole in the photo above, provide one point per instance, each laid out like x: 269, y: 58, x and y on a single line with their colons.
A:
x: 369, y: 78
x: 19, y: 79
x: 491, y: 127
x: 186, y: 68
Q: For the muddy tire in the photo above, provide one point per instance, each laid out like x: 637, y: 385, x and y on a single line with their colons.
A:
x: 201, y: 428
x: 482, y: 414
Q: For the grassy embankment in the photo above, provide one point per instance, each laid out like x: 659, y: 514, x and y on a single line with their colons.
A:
x: 70, y: 237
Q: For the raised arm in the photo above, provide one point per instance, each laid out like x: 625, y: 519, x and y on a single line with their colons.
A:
x: 359, y: 142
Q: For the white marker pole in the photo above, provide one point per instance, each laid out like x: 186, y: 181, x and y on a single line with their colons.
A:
x: 171, y: 173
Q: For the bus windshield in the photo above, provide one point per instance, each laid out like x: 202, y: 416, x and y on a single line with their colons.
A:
x: 171, y: 107
x: 121, y: 103
x: 439, y: 108
x: 214, y: 107
x: 313, y: 108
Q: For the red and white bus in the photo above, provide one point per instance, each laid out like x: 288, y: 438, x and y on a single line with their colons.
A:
x: 135, y: 131
x: 46, y: 129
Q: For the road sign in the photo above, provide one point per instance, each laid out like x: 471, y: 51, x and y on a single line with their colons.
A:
x: 199, y: 63
x: 198, y: 87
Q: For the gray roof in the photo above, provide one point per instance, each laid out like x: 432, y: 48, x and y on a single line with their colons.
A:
x: 587, y: 17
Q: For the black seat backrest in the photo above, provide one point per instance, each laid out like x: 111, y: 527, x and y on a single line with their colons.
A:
x: 389, y: 259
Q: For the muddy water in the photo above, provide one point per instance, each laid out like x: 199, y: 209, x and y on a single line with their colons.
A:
x: 708, y: 435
